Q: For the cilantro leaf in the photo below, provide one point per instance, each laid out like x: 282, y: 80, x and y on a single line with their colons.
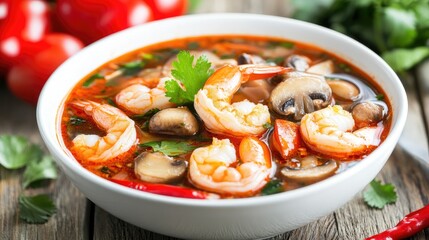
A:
x: 39, y: 170
x: 36, y: 209
x: 272, y: 187
x: 16, y: 151
x: 402, y: 59
x: 378, y: 195
x: 191, y: 77
x: 170, y: 148
x: 91, y: 79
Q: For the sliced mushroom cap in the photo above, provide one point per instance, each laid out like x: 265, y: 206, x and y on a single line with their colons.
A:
x: 159, y: 168
x: 322, y: 68
x: 344, y: 90
x: 250, y: 59
x: 300, y: 94
x: 174, y: 121
x: 298, y: 62
x: 310, y: 170
x: 367, y: 114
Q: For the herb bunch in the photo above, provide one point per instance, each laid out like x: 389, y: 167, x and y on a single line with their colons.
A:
x: 398, y: 30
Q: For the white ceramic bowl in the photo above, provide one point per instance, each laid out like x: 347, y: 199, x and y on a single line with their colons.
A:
x: 249, y: 218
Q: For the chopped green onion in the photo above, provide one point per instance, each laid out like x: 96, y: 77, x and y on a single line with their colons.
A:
x: 91, y: 79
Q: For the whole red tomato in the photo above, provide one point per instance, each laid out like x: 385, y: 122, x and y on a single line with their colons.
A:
x: 167, y: 8
x: 21, y: 22
x: 26, y: 78
x: 90, y: 20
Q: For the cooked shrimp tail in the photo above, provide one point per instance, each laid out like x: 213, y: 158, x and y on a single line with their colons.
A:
x: 213, y: 102
x: 120, y: 133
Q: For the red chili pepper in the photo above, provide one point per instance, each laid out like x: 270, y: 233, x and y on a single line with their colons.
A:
x: 407, y: 227
x: 167, y: 190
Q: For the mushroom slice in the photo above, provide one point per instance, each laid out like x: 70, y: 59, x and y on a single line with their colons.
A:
x: 300, y: 94
x: 344, y: 90
x: 367, y: 114
x: 298, y: 62
x: 159, y: 168
x: 322, y: 68
x: 250, y: 59
x: 174, y: 121
x: 310, y: 171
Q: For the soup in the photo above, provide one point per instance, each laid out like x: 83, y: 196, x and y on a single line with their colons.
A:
x: 224, y: 117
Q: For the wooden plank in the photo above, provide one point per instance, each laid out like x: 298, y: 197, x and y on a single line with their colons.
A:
x: 271, y: 7
x: 19, y: 118
x: 422, y: 75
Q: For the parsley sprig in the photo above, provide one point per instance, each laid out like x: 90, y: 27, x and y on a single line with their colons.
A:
x: 18, y: 152
x: 170, y: 148
x: 378, y: 195
x: 189, y: 78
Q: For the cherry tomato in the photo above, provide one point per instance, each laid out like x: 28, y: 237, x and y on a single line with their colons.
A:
x: 167, y: 8
x: 26, y: 78
x: 90, y: 20
x: 21, y: 22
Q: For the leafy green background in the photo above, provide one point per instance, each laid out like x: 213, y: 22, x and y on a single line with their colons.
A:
x: 398, y: 30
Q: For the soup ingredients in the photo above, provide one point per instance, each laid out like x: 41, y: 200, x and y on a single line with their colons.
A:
x: 286, y: 138
x: 273, y: 187
x: 191, y: 77
x: 323, y: 68
x: 298, y: 62
x: 327, y: 131
x: 300, y: 94
x: 174, y: 121
x: 167, y: 190
x: 378, y: 195
x: 310, y: 170
x: 26, y: 78
x: 367, y: 114
x: 36, y: 209
x: 158, y: 168
x: 139, y: 99
x: 410, y: 225
x: 214, y: 168
x: 120, y: 133
x: 344, y: 90
x: 170, y: 148
x: 115, y: 15
x: 244, y: 118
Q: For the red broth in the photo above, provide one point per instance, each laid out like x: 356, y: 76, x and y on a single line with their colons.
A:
x: 293, y: 161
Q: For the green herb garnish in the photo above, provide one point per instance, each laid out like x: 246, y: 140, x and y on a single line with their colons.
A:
x: 170, y: 148
x: 91, y: 79
x: 193, y: 45
x: 267, y: 125
x: 277, y: 60
x: 344, y: 67
x: 132, y: 68
x: 76, y: 121
x: 105, y: 170
x: 272, y: 187
x: 17, y: 151
x: 39, y: 170
x: 36, y: 209
x: 191, y: 77
x: 378, y: 195
x: 379, y: 97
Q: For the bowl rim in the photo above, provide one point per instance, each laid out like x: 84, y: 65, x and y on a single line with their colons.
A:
x: 55, y: 148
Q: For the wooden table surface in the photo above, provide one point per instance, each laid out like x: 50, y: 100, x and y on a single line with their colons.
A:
x: 78, y: 218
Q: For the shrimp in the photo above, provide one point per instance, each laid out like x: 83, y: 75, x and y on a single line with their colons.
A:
x: 120, y: 133
x: 329, y: 131
x: 139, y: 99
x: 214, y: 168
x: 244, y: 118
